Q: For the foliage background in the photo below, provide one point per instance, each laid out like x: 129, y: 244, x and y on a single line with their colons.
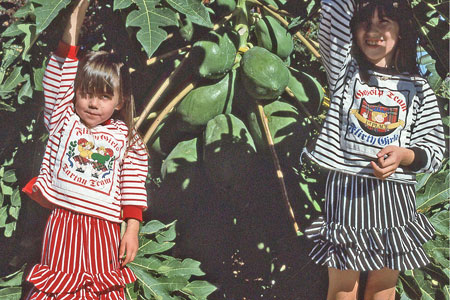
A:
x: 244, y: 242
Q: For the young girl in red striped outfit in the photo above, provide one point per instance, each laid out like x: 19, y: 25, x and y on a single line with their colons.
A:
x: 92, y: 175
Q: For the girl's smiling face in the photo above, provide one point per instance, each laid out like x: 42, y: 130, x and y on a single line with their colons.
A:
x: 94, y: 109
x: 377, y: 39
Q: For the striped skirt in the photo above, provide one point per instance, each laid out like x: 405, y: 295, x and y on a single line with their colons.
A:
x: 80, y: 260
x: 369, y: 224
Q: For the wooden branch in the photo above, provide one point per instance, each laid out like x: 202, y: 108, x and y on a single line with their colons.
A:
x: 277, y: 166
x: 159, y: 92
x: 154, y: 59
x: 167, y: 110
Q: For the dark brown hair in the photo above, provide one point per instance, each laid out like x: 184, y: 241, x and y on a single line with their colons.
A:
x: 101, y: 72
x: 405, y: 56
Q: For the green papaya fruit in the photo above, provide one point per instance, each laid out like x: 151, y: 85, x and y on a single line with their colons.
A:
x: 274, y: 37
x: 180, y: 166
x: 204, y: 103
x: 285, y: 126
x: 214, y: 56
x: 223, y: 7
x: 228, y: 152
x: 264, y: 74
x: 306, y: 89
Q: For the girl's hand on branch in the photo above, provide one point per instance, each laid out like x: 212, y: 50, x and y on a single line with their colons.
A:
x: 389, y: 158
x: 129, y: 244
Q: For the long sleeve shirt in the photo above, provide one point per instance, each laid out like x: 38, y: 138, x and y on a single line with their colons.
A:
x: 364, y: 117
x: 92, y: 171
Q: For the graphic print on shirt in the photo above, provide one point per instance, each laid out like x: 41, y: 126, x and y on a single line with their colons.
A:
x: 376, y: 118
x: 88, y: 159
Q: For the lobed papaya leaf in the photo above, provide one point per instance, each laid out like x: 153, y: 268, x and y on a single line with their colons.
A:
x: 410, y: 285
x: 199, y: 289
x: 440, y: 221
x: 121, y: 4
x: 150, y: 20
x: 153, y: 247
x: 153, y: 226
x: 177, y: 268
x: 10, y: 52
x: 13, y: 279
x: 438, y: 249
x: 194, y: 9
x: 437, y: 190
x: 11, y: 293
x: 47, y: 12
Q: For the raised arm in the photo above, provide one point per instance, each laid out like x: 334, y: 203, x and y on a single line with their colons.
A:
x: 335, y: 37
x: 62, y: 68
x: 72, y: 30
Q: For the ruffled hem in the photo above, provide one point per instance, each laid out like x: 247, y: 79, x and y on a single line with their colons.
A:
x: 392, y: 240
x: 327, y: 254
x: 345, y: 248
x: 57, y: 282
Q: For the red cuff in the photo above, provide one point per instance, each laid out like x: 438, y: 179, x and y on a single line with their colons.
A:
x: 65, y: 50
x: 132, y: 212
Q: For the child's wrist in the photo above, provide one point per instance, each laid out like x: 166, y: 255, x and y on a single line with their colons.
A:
x: 407, y: 157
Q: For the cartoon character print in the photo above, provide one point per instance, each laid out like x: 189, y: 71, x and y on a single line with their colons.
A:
x: 82, y: 160
x: 99, y: 160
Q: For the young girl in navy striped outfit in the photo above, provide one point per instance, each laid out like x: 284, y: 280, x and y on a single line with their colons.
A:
x: 383, y: 126
x: 92, y: 175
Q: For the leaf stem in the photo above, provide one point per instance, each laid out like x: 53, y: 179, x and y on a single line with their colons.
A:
x: 277, y: 166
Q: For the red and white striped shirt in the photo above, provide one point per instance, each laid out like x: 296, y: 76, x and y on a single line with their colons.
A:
x: 87, y: 170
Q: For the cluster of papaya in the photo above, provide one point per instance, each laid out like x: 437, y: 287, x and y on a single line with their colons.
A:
x: 217, y: 127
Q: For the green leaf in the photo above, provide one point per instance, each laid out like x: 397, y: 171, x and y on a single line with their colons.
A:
x: 13, y: 279
x: 157, y: 287
x: 152, y: 227
x: 410, y: 285
x: 10, y: 176
x: 10, y: 53
x: 15, y: 198
x: 150, y: 20
x: 38, y: 76
x: 48, y: 11
x: 151, y: 263
x: 12, y: 30
x: 26, y: 91
x: 13, y: 80
x: 177, y: 268
x: 9, y: 228
x: 6, y: 190
x: 11, y: 293
x: 152, y: 247
x: 25, y: 10
x: 30, y: 34
x: 3, y: 216
x: 121, y: 4
x: 438, y: 250
x: 196, y: 11
x: 440, y: 222
x: 166, y: 235
x: 200, y: 289
x: 437, y: 190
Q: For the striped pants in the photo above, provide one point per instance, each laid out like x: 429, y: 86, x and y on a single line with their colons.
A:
x: 369, y: 224
x: 79, y: 260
